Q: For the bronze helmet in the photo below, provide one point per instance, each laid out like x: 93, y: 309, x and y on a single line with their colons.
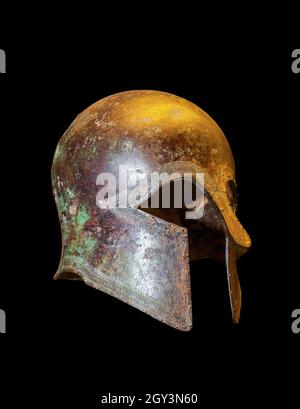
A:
x: 138, y: 256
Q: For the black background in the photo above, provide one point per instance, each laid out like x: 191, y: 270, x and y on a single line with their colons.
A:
x: 67, y: 343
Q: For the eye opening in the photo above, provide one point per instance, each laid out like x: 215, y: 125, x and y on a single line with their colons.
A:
x: 232, y: 194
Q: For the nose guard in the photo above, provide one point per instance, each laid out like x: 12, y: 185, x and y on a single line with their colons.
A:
x: 237, y: 242
x: 141, y: 260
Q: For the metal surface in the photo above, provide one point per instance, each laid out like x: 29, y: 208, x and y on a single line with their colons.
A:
x: 135, y: 256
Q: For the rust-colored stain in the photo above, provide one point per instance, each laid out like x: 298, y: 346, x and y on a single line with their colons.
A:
x: 143, y: 257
